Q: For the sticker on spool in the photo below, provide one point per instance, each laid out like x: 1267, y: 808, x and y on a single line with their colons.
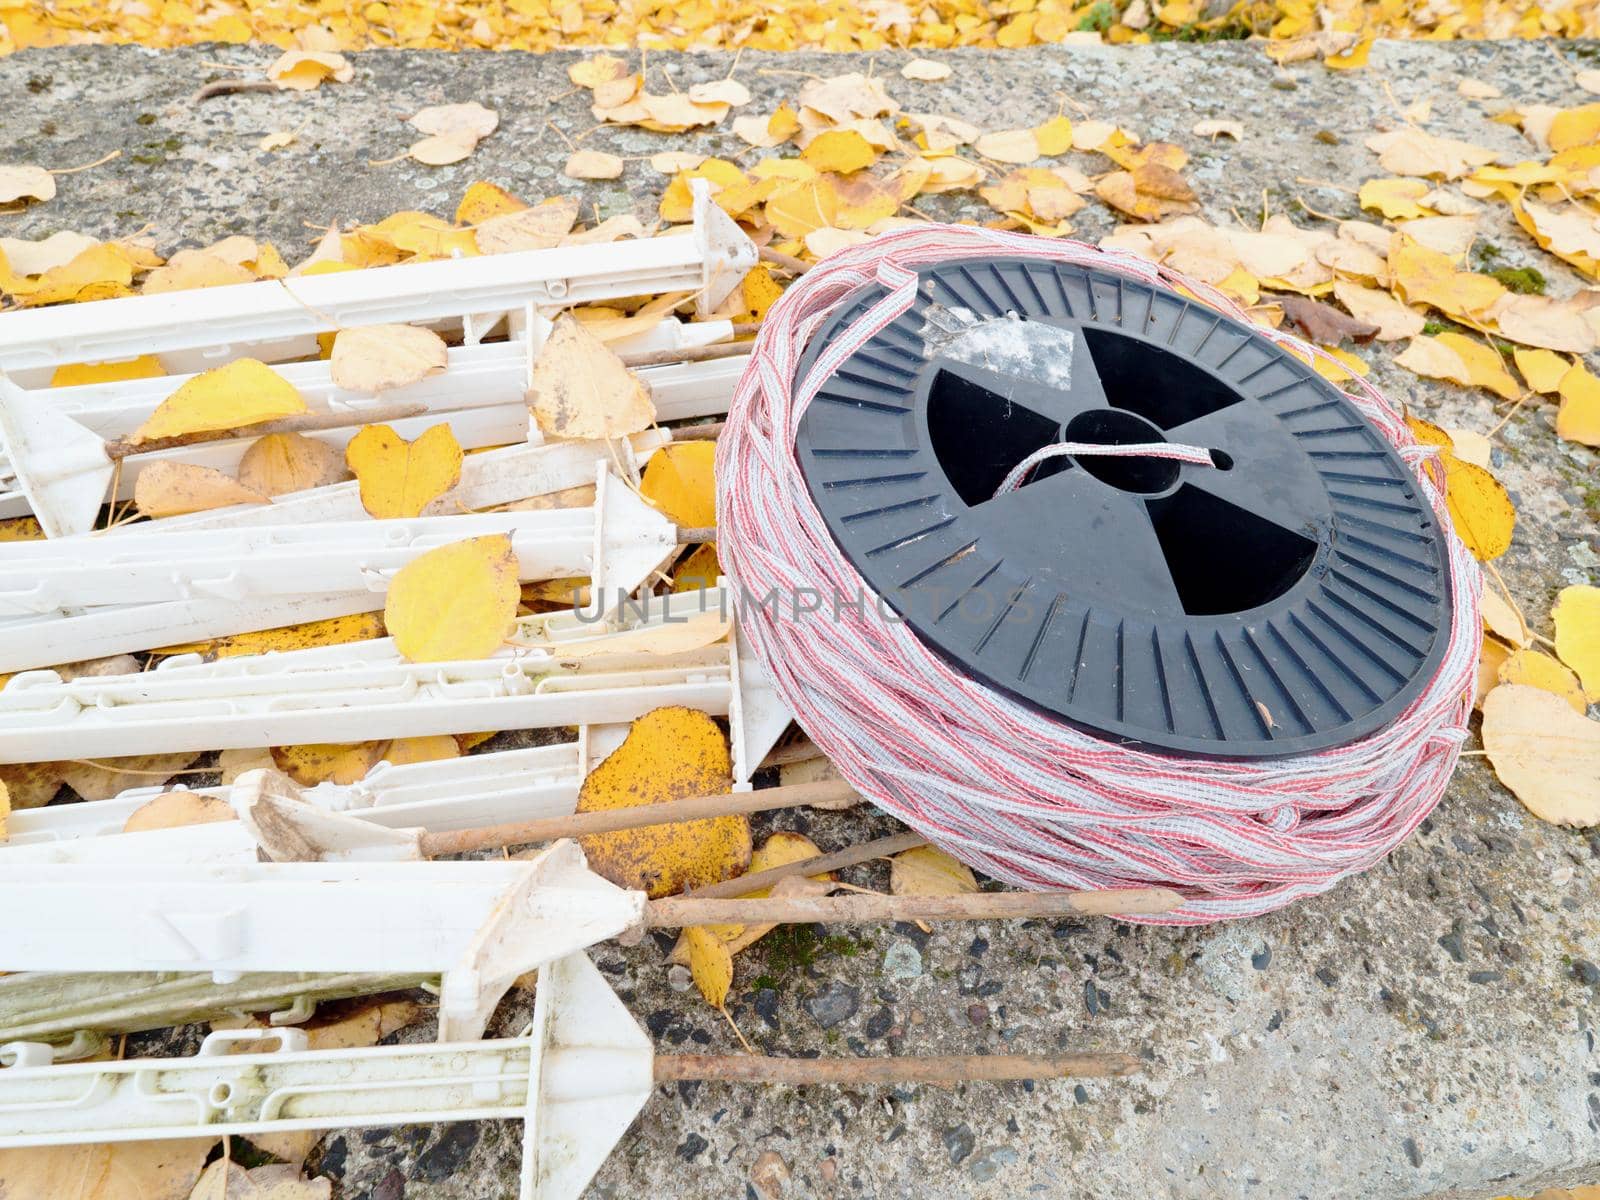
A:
x: 1289, y: 596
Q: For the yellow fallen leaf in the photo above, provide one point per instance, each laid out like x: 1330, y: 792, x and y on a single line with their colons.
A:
x: 1395, y: 198
x: 1546, y: 754
x: 928, y: 871
x: 710, y: 964
x: 1542, y: 370
x: 1485, y: 367
x: 169, y: 489
x: 1577, y: 618
x: 420, y: 234
x: 21, y: 529
x: 455, y: 602
x: 679, y: 480
x: 330, y: 762
x: 699, y: 572
x: 779, y: 850
x: 398, y: 478
x: 1424, y: 276
x: 483, y: 200
x: 840, y: 151
x: 146, y: 366
x: 5, y: 810
x: 189, y: 269
x: 1353, y: 58
x: 813, y: 204
x: 302, y: 70
x: 289, y: 462
x: 1054, y: 137
x: 1574, y: 127
x: 329, y: 631
x: 243, y: 393
x: 581, y: 389
x: 428, y: 748
x: 1578, y: 419
x: 1481, y: 511
x: 172, y: 809
x: 591, y: 72
x: 99, y: 273
x: 1537, y: 669
x: 1460, y: 359
x: 378, y: 358
x: 669, y: 754
x: 35, y: 258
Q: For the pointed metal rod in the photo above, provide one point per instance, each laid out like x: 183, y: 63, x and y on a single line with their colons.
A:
x: 828, y: 793
x: 867, y: 908
x: 123, y: 447
x: 657, y: 358
x: 949, y: 1068
x: 850, y: 856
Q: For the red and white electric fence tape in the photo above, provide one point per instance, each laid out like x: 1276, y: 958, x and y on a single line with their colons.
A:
x: 1018, y: 795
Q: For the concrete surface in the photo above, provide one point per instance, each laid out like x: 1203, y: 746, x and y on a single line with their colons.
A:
x: 1425, y: 1031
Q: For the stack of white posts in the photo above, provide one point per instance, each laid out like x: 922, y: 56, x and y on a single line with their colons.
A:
x: 177, y: 905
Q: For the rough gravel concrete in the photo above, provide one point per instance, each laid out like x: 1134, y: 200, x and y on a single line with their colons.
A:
x: 1425, y: 1031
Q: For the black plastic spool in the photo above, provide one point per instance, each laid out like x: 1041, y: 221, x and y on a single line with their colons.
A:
x: 1291, y: 598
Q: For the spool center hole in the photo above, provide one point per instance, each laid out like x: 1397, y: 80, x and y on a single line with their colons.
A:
x: 1117, y: 427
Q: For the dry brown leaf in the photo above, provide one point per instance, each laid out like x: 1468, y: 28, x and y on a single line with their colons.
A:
x: 470, y: 121
x: 1546, y: 754
x: 581, y: 389
x: 1413, y: 152
x: 1376, y: 307
x: 172, y: 809
x: 169, y: 489
x: 1324, y: 324
x: 1018, y: 146
x: 165, y: 1170
x: 290, y: 462
x: 593, y: 164
x: 379, y: 358
x: 537, y: 228
x: 35, y: 258
x: 722, y: 91
x: 25, y: 182
x: 227, y: 1180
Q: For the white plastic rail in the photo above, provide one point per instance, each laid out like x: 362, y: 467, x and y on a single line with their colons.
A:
x: 67, y: 599
x: 477, y: 924
x: 279, y: 319
x: 480, y: 396
x: 576, y: 1079
x: 487, y: 479
x: 365, y: 691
